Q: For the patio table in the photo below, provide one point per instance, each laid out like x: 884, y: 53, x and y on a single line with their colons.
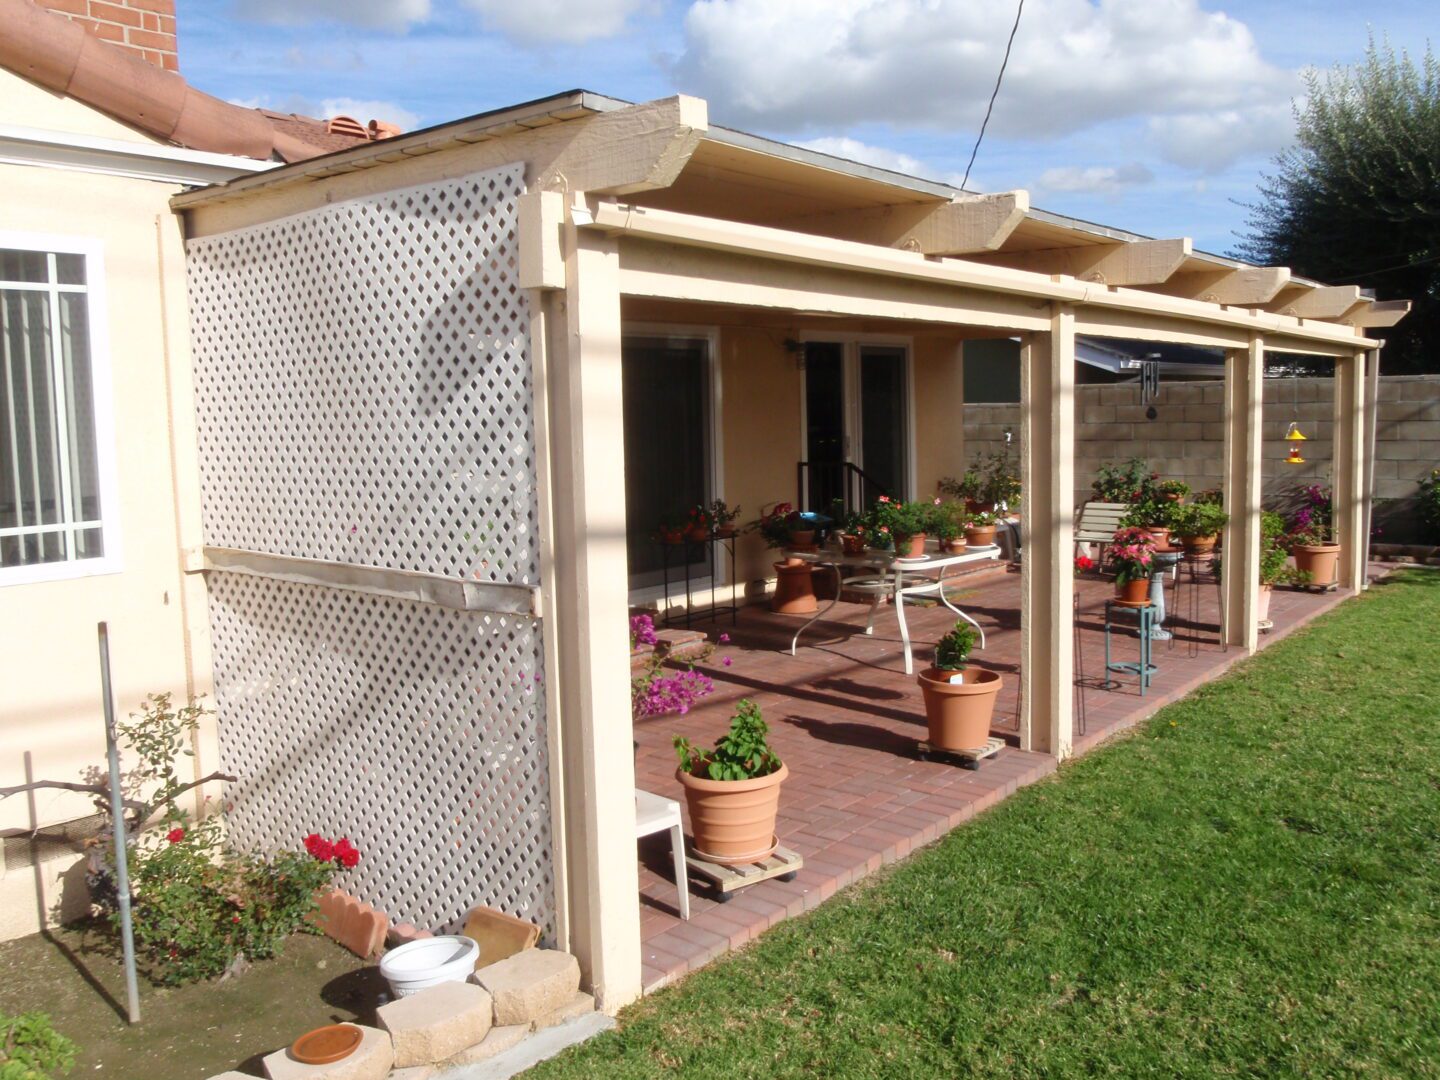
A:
x: 882, y: 574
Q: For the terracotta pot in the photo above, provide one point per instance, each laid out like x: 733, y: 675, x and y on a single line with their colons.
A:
x: 975, y: 506
x: 802, y: 537
x: 794, y: 589
x: 733, y: 821
x: 1262, y: 604
x: 958, y: 714
x: 852, y: 544
x: 1161, y: 537
x: 672, y: 536
x: 980, y: 536
x: 697, y: 534
x: 953, y: 547
x: 1321, y: 560
x: 725, y: 531
x: 1197, y: 545
x: 912, y: 548
x: 1136, y: 591
x: 1173, y: 496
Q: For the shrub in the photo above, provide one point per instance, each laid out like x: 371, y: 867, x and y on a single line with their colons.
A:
x: 1200, y: 519
x: 952, y: 652
x: 1131, y: 482
x: 1430, y: 503
x: 1152, y: 513
x: 740, y: 754
x: 30, y: 1049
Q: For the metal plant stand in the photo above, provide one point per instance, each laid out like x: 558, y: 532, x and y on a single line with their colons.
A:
x: 1196, y: 565
x: 708, y: 555
x: 1144, y: 669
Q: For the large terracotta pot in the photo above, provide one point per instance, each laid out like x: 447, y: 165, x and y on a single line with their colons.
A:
x: 1262, y: 604
x: 975, y: 506
x: 912, y: 548
x: 959, y: 714
x: 980, y: 535
x: 733, y: 821
x: 1197, y: 545
x: 1321, y: 560
x: 953, y: 547
x: 794, y: 589
x: 1135, y: 591
x: 802, y: 537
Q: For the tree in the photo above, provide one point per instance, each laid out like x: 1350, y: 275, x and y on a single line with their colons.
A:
x: 1357, y: 200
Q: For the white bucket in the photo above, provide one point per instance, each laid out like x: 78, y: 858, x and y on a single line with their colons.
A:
x: 428, y: 962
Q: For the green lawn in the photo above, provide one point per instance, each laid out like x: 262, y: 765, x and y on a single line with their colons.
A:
x: 1249, y: 886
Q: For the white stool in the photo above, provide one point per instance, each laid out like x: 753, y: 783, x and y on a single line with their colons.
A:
x: 654, y: 813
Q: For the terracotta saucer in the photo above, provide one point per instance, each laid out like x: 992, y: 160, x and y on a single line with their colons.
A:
x: 326, y: 1044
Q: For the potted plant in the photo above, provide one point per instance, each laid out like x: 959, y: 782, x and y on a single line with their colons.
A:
x: 970, y: 488
x: 1312, y: 539
x: 733, y: 791
x: 900, y: 523
x: 1153, y: 514
x: 1172, y: 490
x: 850, y: 528
x: 722, y: 518
x: 1131, y: 551
x: 1128, y: 483
x: 980, y: 529
x: 1002, y: 482
x: 1198, y: 526
x: 947, y: 523
x: 794, y: 576
x: 697, y: 525
x: 670, y: 531
x: 1275, y: 566
x: 959, y: 701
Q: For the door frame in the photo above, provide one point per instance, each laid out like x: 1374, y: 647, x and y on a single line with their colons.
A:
x: 851, y: 343
x: 715, y: 474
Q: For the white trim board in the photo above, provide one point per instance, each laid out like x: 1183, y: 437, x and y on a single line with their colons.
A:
x: 112, y: 157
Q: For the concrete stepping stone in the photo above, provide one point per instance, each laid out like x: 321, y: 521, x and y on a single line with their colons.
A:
x: 530, y: 984
x: 371, y: 1060
x: 436, y: 1023
x: 498, y: 1041
x: 579, y: 1004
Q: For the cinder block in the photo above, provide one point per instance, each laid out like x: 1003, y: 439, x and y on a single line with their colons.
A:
x: 499, y: 1040
x: 437, y: 1023
x: 578, y: 1005
x: 530, y: 984
x: 1098, y: 414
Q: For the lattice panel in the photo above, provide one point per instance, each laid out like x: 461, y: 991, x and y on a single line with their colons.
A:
x: 363, y: 383
x: 416, y: 730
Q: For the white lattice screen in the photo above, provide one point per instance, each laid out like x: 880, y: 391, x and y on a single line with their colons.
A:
x: 364, y: 396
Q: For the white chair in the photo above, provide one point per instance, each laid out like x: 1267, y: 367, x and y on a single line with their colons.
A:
x: 654, y: 813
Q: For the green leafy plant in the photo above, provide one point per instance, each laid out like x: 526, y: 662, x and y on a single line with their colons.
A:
x: 1430, y: 503
x: 31, y: 1049
x: 778, y: 525
x: 1199, y: 519
x: 1002, y: 479
x: 1172, y: 489
x: 952, y: 652
x: 740, y: 754
x: 947, y: 521
x: 980, y: 519
x: 1129, y: 482
x: 970, y: 486
x: 1152, y: 513
x: 895, y: 521
x: 1210, y: 495
x: 722, y: 515
x: 1275, y: 568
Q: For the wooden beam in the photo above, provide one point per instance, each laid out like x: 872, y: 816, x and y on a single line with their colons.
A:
x: 1312, y: 302
x: 1379, y: 313
x: 1247, y: 286
x: 969, y: 224
x: 1244, y: 385
x: 639, y: 148
x: 1138, y: 262
x: 1348, y: 454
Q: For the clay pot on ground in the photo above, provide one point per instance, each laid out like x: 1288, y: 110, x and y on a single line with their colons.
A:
x: 912, y: 548
x: 733, y: 821
x: 1320, y: 560
x: 1262, y: 603
x: 953, y: 547
x: 1134, y: 591
x: 802, y: 537
x: 794, y: 589
x: 980, y: 535
x: 1198, y: 545
x: 959, y: 713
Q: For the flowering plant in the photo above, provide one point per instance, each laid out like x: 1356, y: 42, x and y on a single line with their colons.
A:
x: 980, y: 519
x: 1311, y: 523
x: 722, y: 514
x: 1174, y: 490
x: 1083, y: 564
x: 642, y: 631
x: 654, y: 691
x: 778, y: 525
x: 894, y: 521
x: 947, y: 520
x: 1130, y: 554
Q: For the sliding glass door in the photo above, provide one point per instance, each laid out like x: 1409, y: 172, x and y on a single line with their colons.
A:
x: 857, y: 413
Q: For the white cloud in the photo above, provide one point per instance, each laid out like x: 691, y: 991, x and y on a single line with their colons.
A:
x: 533, y: 22
x: 1094, y: 179
x: 380, y: 14
x: 365, y: 111
x: 1213, y: 141
x: 932, y: 63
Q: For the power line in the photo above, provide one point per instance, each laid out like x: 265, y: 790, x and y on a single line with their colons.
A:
x: 1019, y: 8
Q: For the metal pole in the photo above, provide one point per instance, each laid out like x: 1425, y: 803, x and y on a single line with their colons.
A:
x: 117, y: 814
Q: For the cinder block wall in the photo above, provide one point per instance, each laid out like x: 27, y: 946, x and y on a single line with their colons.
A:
x: 1186, y: 440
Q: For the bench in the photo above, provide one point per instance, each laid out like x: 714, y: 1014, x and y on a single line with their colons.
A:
x: 1097, y: 522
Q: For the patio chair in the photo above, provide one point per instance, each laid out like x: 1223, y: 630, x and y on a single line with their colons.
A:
x: 655, y: 813
x: 1096, y: 524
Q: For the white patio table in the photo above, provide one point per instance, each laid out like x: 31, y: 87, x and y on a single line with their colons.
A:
x: 896, y: 578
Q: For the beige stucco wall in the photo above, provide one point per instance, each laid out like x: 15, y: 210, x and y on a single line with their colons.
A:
x: 50, y: 710
x: 939, y: 395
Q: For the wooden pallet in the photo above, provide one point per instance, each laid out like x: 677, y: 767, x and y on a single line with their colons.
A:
x: 968, y: 759
x: 784, y: 864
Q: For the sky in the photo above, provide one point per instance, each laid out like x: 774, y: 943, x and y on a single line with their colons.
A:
x: 1158, y: 116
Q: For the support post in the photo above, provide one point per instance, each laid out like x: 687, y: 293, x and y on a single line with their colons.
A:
x: 1350, y: 497
x: 1244, y: 384
x: 590, y: 590
x: 1047, y: 530
x: 1372, y: 411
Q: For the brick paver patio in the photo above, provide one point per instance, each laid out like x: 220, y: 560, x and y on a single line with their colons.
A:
x: 845, y: 717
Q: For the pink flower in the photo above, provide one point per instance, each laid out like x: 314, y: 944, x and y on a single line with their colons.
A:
x: 884, y: 498
x: 727, y: 661
x: 724, y: 639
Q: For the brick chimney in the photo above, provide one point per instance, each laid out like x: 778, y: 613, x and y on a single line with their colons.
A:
x: 146, y: 27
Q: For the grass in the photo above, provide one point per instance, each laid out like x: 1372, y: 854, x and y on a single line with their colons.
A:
x: 1247, y: 887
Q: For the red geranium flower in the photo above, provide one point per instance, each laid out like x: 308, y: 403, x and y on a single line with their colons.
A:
x: 175, y: 835
x: 345, y: 853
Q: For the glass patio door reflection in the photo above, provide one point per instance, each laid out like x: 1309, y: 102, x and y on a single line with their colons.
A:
x: 857, y: 411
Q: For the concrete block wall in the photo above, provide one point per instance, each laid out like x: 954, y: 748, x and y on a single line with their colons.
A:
x: 1186, y: 440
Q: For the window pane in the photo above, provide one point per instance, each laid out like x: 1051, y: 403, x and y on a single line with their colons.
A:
x: 84, y: 463
x: 23, y: 266
x: 30, y: 486
x: 89, y: 544
x: 70, y: 269
x: 883, y: 432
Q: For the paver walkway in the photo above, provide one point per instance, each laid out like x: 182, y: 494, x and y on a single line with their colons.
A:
x: 845, y: 717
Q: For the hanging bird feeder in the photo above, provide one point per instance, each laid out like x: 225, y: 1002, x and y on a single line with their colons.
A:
x: 1294, y: 435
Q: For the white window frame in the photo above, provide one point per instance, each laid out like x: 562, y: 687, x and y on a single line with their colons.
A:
x: 102, y: 393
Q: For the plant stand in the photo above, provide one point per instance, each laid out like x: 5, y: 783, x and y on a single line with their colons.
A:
x: 1144, y: 668
x: 784, y: 864
x: 707, y: 555
x: 966, y: 759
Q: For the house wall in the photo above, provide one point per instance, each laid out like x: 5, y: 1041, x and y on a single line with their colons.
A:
x: 50, y: 708
x: 1186, y: 440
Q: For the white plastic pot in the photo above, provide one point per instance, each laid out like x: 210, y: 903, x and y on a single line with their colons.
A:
x: 428, y: 962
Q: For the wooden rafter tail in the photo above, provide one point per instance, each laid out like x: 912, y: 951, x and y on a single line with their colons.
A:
x: 972, y: 223
x: 1379, y: 313
x: 1126, y: 263
x: 1248, y: 286
x: 1305, y: 301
